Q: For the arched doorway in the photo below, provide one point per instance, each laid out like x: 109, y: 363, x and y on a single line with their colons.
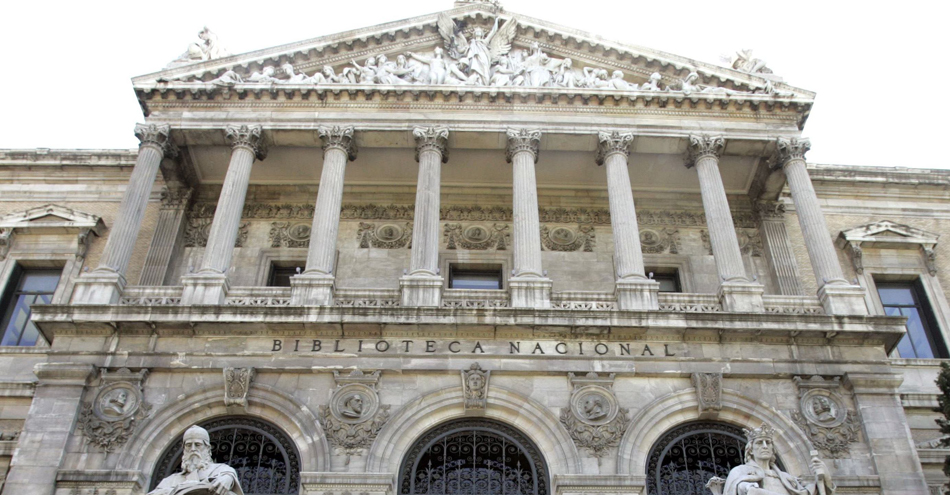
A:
x: 683, y: 460
x: 266, y: 461
x: 473, y: 457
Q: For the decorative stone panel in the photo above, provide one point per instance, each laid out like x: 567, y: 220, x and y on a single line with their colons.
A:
x: 119, y: 405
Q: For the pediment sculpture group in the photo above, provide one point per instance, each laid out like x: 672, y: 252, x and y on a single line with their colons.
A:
x: 487, y: 60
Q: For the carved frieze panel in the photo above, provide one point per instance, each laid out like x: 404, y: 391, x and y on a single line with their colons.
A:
x: 594, y: 419
x: 198, y: 230
x: 237, y: 382
x: 659, y: 241
x: 476, y: 237
x: 119, y: 405
x: 824, y: 416
x: 560, y: 238
x: 354, y: 415
x: 750, y: 242
x: 290, y: 234
x: 385, y: 236
x: 475, y: 387
x: 708, y: 391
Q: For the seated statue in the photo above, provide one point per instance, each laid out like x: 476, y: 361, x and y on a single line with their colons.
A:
x: 760, y: 476
x: 199, y: 474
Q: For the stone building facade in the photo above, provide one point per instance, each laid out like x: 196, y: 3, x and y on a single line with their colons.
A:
x: 483, y: 262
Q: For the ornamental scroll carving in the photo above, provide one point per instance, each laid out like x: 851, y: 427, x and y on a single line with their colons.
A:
x: 237, y: 382
x: 287, y: 234
x: 708, y: 392
x: 750, y: 242
x: 595, y: 419
x: 476, y: 237
x: 475, y: 387
x: 824, y: 417
x: 118, y: 407
x: 386, y: 236
x: 566, y: 239
x: 354, y: 416
x: 198, y: 230
x: 659, y: 241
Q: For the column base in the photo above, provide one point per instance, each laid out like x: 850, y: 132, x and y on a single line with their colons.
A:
x: 421, y: 290
x: 843, y: 299
x: 741, y: 297
x: 637, y: 294
x: 204, y: 289
x: 312, y: 289
x: 530, y: 292
x: 98, y: 287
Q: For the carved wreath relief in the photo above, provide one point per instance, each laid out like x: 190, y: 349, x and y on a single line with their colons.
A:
x: 199, y: 229
x: 475, y: 387
x: 292, y: 235
x: 659, y: 241
x: 386, y: 236
x: 110, y: 419
x: 354, y: 416
x: 566, y: 239
x: 476, y: 237
x: 822, y: 414
x: 595, y: 419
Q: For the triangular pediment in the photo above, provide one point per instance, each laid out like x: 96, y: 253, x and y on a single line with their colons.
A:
x: 888, y: 234
x: 51, y: 218
x: 543, y: 56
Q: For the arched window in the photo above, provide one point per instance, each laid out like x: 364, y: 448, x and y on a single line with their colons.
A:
x: 265, y: 459
x: 473, y: 457
x: 684, y: 459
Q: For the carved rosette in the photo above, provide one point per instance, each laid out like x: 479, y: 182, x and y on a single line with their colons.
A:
x: 237, y: 382
x: 354, y: 416
x: 118, y: 407
x: 523, y: 140
x: 198, y: 230
x: 595, y: 419
x: 339, y: 137
x: 788, y: 150
x: 287, y: 234
x: 432, y: 138
x: 476, y: 237
x: 247, y: 136
x: 611, y: 143
x: 386, y: 236
x: 475, y: 387
x: 824, y: 417
x: 156, y: 135
x: 703, y: 146
x: 567, y: 239
x: 708, y: 391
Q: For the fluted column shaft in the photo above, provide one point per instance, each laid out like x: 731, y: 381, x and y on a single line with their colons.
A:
x: 168, y: 230
x: 128, y: 221
x: 704, y: 155
x: 523, y: 147
x: 821, y: 249
x: 431, y: 153
x: 628, y: 254
x: 338, y: 149
x: 246, y: 146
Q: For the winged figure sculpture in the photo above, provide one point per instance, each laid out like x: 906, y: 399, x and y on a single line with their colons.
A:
x: 477, y: 55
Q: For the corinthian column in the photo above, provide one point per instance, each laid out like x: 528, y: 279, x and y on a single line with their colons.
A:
x: 530, y: 288
x: 736, y: 291
x: 210, y: 284
x: 634, y: 290
x: 104, y: 285
x: 314, y: 287
x: 423, y: 285
x: 836, y: 294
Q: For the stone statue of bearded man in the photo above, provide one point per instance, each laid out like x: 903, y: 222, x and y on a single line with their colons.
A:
x: 199, y: 474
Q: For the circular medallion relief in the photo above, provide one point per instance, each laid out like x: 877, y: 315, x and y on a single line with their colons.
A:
x: 594, y: 405
x: 649, y: 238
x: 562, y: 235
x: 388, y: 232
x: 354, y: 403
x: 299, y: 232
x: 823, y: 408
x: 117, y: 401
x: 476, y: 233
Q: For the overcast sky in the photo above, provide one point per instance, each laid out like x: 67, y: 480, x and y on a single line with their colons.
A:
x: 880, y: 69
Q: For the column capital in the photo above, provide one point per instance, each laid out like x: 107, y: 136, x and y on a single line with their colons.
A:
x: 770, y: 210
x: 339, y: 137
x: 248, y: 136
x: 789, y: 149
x: 523, y: 140
x: 702, y: 146
x: 176, y: 198
x: 432, y: 138
x: 612, y: 142
x: 156, y: 135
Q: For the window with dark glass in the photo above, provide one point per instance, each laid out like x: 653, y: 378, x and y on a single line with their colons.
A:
x: 483, y: 277
x: 26, y: 288
x: 907, y: 299
x: 669, y: 280
x: 280, y: 275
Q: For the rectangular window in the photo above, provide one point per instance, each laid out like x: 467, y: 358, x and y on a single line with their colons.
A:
x: 481, y: 277
x: 280, y: 275
x: 669, y: 279
x: 907, y: 299
x: 26, y: 288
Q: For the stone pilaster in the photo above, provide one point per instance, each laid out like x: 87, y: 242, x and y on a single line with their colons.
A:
x: 104, y: 285
x: 423, y: 285
x: 168, y: 231
x: 210, y: 284
x: 46, y: 431
x: 529, y: 286
x: 634, y: 290
x: 778, y: 247
x: 314, y: 287
x: 836, y: 294
x: 736, y: 291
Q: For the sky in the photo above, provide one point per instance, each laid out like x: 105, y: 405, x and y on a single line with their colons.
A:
x: 879, y: 69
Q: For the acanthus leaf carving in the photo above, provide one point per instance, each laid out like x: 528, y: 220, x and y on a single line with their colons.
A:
x: 119, y: 405
x: 703, y: 146
x: 354, y: 416
x: 561, y: 238
x: 610, y: 143
x: 156, y: 135
x: 595, y: 420
x: 386, y: 236
x: 198, y: 230
x: 432, y: 138
x: 789, y: 149
x: 823, y: 416
x: 476, y: 237
x: 340, y: 137
x: 237, y: 383
x: 247, y: 136
x: 659, y: 241
x: 708, y: 391
x: 287, y: 234
x: 523, y: 140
